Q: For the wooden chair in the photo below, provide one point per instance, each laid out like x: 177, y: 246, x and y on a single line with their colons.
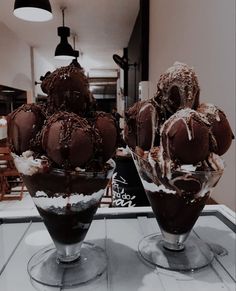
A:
x: 7, y: 170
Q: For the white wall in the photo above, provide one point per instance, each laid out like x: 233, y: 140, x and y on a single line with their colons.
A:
x: 200, y: 33
x: 15, y: 68
x: 41, y: 67
x: 15, y: 62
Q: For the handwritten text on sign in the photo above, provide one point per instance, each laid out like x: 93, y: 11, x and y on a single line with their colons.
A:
x: 120, y: 197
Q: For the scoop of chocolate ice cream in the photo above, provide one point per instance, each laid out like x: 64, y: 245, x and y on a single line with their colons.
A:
x: 130, y: 130
x: 142, y: 125
x: 68, y: 90
x: 222, y: 135
x: 23, y: 125
x: 69, y: 140
x: 178, y: 88
x: 147, y: 126
x: 106, y: 126
x: 185, y: 137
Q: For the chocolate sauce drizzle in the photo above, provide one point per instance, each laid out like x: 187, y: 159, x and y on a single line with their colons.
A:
x: 40, y: 117
x: 187, y: 116
x: 69, y: 123
x: 74, y: 97
x: 178, y: 88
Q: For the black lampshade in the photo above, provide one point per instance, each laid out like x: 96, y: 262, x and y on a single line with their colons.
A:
x: 33, y: 10
x: 75, y: 62
x: 64, y: 50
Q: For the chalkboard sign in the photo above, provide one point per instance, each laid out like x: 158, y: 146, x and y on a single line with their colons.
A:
x: 127, y: 188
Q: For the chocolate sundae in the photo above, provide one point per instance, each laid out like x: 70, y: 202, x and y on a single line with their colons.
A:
x: 177, y: 144
x: 63, y: 151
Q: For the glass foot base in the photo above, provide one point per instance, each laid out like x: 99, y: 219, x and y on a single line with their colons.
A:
x: 45, y: 268
x: 195, y: 255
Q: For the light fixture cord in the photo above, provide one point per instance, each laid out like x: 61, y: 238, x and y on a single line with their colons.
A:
x: 63, y: 16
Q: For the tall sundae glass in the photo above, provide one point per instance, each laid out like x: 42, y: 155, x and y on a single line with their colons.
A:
x: 63, y: 150
x: 176, y: 144
x: 67, y: 202
x: 177, y: 201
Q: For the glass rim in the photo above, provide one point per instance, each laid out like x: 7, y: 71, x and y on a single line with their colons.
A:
x: 83, y: 172
x: 212, y: 172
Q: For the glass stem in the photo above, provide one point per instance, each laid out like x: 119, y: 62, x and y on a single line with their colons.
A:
x: 68, y: 253
x: 174, y: 242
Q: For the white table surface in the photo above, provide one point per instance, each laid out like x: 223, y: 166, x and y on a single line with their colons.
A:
x: 119, y: 238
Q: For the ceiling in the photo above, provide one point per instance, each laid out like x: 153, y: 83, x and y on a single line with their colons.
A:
x: 103, y: 27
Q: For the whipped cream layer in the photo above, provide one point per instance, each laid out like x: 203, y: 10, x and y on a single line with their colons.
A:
x: 152, y: 187
x: 59, y: 203
x: 27, y: 165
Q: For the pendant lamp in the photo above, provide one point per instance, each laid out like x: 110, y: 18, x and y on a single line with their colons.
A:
x: 33, y: 10
x: 75, y: 62
x: 64, y: 50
